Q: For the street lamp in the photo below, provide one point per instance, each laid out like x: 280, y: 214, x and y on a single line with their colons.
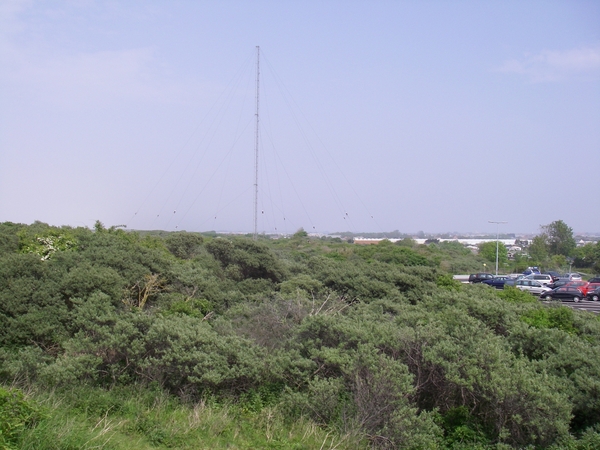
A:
x: 570, y: 260
x: 497, y: 222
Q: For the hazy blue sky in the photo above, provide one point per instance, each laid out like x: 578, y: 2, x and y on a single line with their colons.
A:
x: 375, y: 115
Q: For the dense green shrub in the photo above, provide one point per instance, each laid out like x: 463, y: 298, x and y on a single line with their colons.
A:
x: 9, y: 240
x: 514, y: 295
x: 445, y: 281
x: 377, y: 344
x: 16, y: 415
x: 243, y: 258
x: 559, y: 317
x: 184, y: 245
x: 389, y: 253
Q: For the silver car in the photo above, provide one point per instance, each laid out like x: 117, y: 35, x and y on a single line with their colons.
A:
x: 574, y: 276
x: 541, y: 277
x: 532, y: 286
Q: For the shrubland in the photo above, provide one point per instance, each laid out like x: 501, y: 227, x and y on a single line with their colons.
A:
x: 114, y: 339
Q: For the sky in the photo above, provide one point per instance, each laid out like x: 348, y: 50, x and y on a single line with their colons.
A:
x: 373, y: 116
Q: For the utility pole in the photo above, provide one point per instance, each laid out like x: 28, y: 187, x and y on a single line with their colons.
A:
x: 497, y: 226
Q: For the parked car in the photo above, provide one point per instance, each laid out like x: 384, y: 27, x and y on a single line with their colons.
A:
x: 558, y: 283
x: 573, y: 276
x: 479, y: 277
x: 594, y: 280
x: 545, y: 279
x: 593, y: 295
x: 593, y: 286
x: 581, y: 285
x: 531, y: 286
x: 531, y: 270
x: 496, y: 282
x: 554, y: 275
x: 563, y: 293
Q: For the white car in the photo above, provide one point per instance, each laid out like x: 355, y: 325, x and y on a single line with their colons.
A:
x: 532, y: 286
x: 573, y: 276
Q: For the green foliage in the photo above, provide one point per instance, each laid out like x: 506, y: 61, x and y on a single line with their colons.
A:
x: 16, y: 415
x: 300, y: 234
x: 556, y: 240
x: 143, y: 418
x: 301, y: 285
x: 576, y: 364
x: 445, y: 281
x: 9, y: 240
x: 31, y: 305
x: 47, y: 244
x: 560, y: 238
x: 181, y: 351
x: 461, y: 429
x: 558, y: 261
x: 389, y: 253
x: 588, y: 256
x: 22, y: 364
x: 36, y: 296
x: 560, y: 318
x: 85, y: 279
x: 243, y: 258
x: 488, y: 251
x: 169, y: 339
x: 453, y: 257
x: 406, y: 242
x: 194, y: 308
x: 184, y: 245
x: 514, y: 295
x: 539, y: 249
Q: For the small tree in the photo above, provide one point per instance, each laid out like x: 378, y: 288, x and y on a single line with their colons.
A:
x: 588, y: 256
x: 538, y: 250
x: 301, y: 233
x: 560, y: 238
x: 488, y: 251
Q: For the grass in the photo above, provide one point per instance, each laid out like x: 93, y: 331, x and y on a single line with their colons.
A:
x: 141, y: 418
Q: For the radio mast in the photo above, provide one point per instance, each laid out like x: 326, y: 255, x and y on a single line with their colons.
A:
x: 256, y: 146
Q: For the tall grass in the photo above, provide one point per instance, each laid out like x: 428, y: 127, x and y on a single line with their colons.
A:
x: 141, y: 418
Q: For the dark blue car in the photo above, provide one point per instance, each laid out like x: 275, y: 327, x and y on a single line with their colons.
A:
x: 531, y: 270
x: 497, y: 282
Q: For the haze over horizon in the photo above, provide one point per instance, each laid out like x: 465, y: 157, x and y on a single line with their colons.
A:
x: 374, y: 116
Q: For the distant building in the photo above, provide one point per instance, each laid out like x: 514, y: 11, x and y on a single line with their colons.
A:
x: 371, y: 241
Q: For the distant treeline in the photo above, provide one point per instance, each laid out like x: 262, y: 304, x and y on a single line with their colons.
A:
x: 376, y: 345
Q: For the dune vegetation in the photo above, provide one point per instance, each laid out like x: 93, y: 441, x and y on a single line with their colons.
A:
x: 124, y: 340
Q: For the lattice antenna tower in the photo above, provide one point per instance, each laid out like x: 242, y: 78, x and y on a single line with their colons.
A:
x: 256, y: 146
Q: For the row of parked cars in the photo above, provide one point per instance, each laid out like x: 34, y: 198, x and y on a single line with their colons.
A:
x: 548, y: 285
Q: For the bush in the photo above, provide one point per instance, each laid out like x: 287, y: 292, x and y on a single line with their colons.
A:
x: 560, y: 318
x: 445, y: 281
x: 184, y: 245
x: 514, y: 295
x: 16, y: 415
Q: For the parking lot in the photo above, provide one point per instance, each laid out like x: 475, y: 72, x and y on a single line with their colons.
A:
x: 583, y: 305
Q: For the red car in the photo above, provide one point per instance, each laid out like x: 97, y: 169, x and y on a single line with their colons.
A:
x: 593, y: 295
x: 592, y: 286
x: 583, y: 286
